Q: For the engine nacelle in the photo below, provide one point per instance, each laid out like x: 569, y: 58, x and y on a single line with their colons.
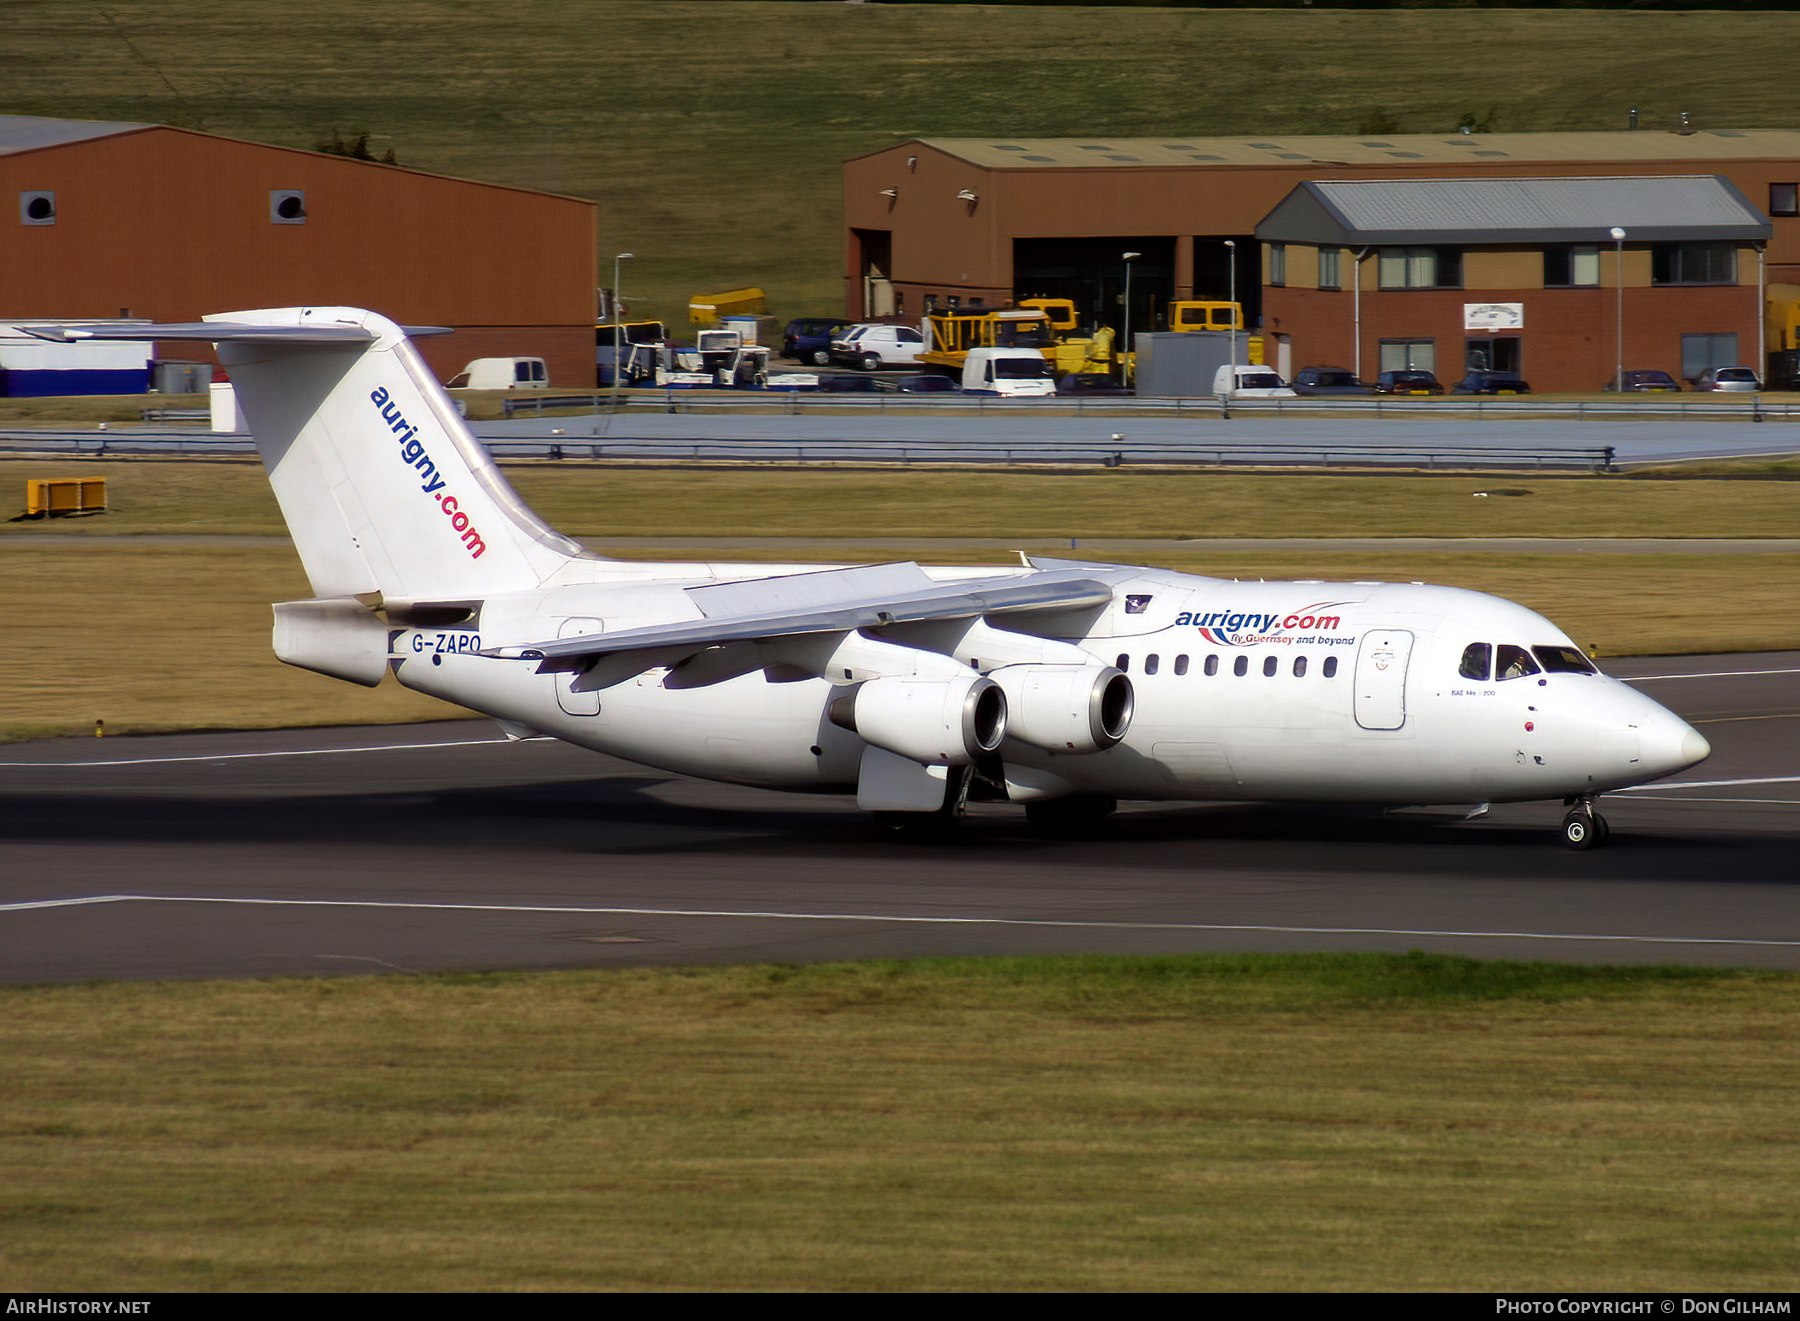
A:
x: 1066, y: 708
x: 938, y: 722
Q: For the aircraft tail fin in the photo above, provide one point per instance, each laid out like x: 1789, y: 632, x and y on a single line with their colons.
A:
x: 386, y: 492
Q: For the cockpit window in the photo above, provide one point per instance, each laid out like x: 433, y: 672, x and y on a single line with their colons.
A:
x: 1563, y: 660
x: 1475, y: 661
x: 1513, y: 662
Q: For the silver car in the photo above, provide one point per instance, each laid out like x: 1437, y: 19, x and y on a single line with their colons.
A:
x: 1728, y: 378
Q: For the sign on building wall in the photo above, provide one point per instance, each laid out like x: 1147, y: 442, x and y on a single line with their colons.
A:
x: 1493, y: 316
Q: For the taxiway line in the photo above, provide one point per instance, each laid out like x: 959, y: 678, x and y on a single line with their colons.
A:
x: 918, y: 919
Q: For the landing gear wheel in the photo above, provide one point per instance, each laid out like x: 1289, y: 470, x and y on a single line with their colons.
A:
x: 1583, y: 828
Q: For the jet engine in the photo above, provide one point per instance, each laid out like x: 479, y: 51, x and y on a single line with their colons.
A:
x: 937, y: 722
x: 1066, y: 708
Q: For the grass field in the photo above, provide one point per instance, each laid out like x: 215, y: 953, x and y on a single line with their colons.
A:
x: 232, y: 496
x: 712, y: 134
x: 1309, y: 1122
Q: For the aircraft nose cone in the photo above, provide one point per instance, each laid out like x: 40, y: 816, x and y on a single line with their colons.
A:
x: 1673, y: 745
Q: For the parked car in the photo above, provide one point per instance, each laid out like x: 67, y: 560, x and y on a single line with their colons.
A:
x: 1479, y: 382
x: 1328, y: 381
x: 1410, y: 381
x: 920, y: 383
x: 1740, y: 379
x: 1251, y: 383
x: 808, y: 338
x: 1646, y: 382
x: 1090, y: 383
x: 872, y: 346
x: 845, y: 383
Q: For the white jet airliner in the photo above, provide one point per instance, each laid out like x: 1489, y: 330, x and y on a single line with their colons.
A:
x: 1058, y: 685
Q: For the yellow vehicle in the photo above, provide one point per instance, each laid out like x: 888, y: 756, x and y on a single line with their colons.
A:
x: 1195, y: 315
x: 1072, y: 352
x: 950, y: 335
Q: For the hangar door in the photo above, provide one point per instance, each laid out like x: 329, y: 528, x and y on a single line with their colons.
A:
x: 1381, y: 678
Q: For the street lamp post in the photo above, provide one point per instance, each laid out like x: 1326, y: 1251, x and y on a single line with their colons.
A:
x: 1129, y: 257
x: 1231, y: 248
x: 621, y: 257
x: 1618, y: 238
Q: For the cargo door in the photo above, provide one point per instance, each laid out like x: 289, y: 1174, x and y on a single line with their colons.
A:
x: 573, y: 703
x: 1381, y: 678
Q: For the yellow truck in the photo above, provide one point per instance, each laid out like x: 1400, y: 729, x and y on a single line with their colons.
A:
x: 1044, y: 324
x: 1194, y: 315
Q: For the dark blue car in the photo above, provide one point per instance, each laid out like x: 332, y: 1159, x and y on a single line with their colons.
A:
x: 808, y: 338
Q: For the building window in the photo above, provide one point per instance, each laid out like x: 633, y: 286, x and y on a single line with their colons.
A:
x: 1278, y: 263
x: 1784, y: 199
x: 1693, y: 263
x: 1574, y: 265
x: 1408, y: 355
x: 1700, y: 353
x: 1421, y: 268
x: 1328, y: 268
x: 37, y: 208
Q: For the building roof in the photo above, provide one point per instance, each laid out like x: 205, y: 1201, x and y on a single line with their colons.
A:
x: 29, y: 132
x: 999, y: 153
x: 1654, y: 208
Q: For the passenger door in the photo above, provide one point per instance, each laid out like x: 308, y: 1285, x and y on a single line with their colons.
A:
x: 1381, y: 661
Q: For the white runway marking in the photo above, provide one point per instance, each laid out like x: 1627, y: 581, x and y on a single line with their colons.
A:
x: 1710, y: 674
x: 1705, y: 784
x: 877, y: 917
x: 297, y: 752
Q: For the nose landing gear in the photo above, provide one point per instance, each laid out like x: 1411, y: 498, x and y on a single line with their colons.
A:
x: 1582, y: 826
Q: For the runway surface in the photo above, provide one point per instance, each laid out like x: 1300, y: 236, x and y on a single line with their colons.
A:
x: 409, y: 848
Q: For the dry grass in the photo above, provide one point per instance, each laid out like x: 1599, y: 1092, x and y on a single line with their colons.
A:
x: 1277, y: 1122
x: 712, y: 134
x: 232, y: 497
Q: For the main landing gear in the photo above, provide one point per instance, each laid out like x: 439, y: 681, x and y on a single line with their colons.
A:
x: 1582, y: 826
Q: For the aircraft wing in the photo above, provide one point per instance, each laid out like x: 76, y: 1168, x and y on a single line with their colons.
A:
x: 840, y: 600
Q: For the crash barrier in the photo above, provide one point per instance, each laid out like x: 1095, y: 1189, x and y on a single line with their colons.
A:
x: 1114, y: 453
x: 1444, y: 408
x: 1117, y: 453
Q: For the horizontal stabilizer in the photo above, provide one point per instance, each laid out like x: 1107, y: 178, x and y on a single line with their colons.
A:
x: 960, y: 600
x: 221, y: 331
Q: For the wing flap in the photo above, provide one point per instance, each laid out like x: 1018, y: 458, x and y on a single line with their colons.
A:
x: 941, y: 601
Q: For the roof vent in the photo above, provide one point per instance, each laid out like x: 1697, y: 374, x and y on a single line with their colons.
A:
x: 1410, y: 155
x: 1727, y: 133
x: 1091, y: 148
x: 1047, y: 160
x: 1266, y: 146
x: 37, y: 208
x: 1199, y: 157
x: 1178, y: 146
x: 1377, y: 144
x: 1001, y: 146
x: 1490, y: 153
x: 1121, y: 158
x: 287, y: 206
x: 1295, y: 156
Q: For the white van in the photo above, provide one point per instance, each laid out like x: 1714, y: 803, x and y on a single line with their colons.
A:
x: 1252, y: 383
x: 1010, y: 373
x: 873, y: 346
x: 502, y: 374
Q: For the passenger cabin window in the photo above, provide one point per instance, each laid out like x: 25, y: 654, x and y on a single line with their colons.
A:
x: 1270, y: 665
x: 1241, y: 666
x: 1151, y: 663
x: 1475, y: 660
x: 1330, y: 670
x: 1513, y: 663
x: 1181, y: 664
x: 1124, y: 663
x: 1563, y: 660
x: 1299, y: 667
x: 1212, y: 666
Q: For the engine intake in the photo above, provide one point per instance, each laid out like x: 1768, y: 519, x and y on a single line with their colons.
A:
x: 1067, y: 708
x: 938, y: 722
